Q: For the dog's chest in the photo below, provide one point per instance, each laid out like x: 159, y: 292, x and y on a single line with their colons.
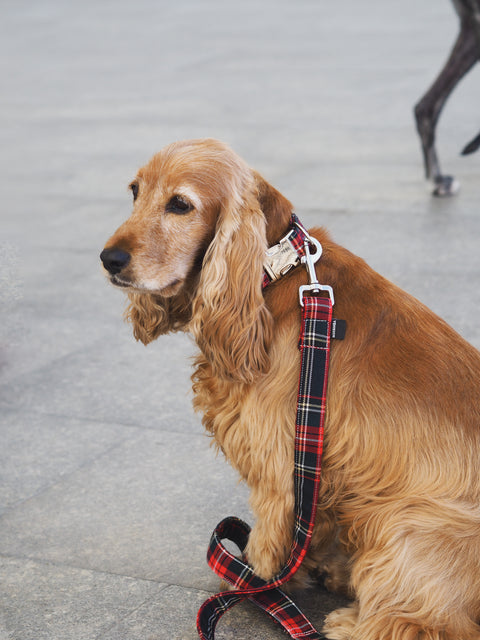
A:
x: 253, y: 425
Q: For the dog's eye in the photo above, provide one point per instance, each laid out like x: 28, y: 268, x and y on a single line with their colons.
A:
x: 134, y: 188
x: 179, y: 205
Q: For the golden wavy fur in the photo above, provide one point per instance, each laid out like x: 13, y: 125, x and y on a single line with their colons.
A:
x: 398, y: 522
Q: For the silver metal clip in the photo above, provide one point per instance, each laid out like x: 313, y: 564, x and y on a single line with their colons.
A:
x: 309, y: 261
x: 280, y: 258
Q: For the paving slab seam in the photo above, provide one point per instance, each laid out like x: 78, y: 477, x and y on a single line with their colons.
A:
x: 191, y: 632
x: 163, y: 584
x: 128, y: 615
x: 92, y: 420
x: 103, y: 421
x: 131, y: 425
x: 66, y: 565
x: 48, y: 366
x: 62, y: 477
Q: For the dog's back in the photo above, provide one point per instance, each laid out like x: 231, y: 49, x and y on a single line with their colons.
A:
x: 402, y: 450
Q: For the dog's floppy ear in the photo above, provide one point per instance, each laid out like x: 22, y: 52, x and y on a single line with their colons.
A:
x: 151, y: 315
x: 231, y: 322
x: 276, y: 209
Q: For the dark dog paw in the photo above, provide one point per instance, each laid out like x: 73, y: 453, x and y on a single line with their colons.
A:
x: 445, y: 186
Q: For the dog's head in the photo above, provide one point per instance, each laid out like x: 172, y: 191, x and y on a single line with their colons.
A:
x: 191, y: 254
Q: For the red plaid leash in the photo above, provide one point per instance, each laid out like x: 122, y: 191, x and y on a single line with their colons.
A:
x: 314, y: 345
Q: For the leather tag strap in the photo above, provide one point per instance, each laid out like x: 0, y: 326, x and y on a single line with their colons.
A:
x: 314, y: 346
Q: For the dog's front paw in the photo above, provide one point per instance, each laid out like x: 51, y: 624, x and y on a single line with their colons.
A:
x: 340, y: 624
x: 266, y: 558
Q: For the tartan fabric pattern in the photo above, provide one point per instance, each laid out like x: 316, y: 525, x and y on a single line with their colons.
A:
x: 299, y: 235
x: 314, y: 345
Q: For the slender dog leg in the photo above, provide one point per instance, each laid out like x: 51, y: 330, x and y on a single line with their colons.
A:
x: 427, y: 111
x: 270, y: 539
x: 472, y: 146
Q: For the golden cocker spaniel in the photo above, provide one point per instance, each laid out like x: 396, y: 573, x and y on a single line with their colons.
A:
x: 398, y: 520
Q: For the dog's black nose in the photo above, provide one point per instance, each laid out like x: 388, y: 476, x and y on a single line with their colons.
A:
x: 114, y: 260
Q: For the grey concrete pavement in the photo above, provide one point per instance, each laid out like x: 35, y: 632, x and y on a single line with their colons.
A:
x: 108, y: 488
